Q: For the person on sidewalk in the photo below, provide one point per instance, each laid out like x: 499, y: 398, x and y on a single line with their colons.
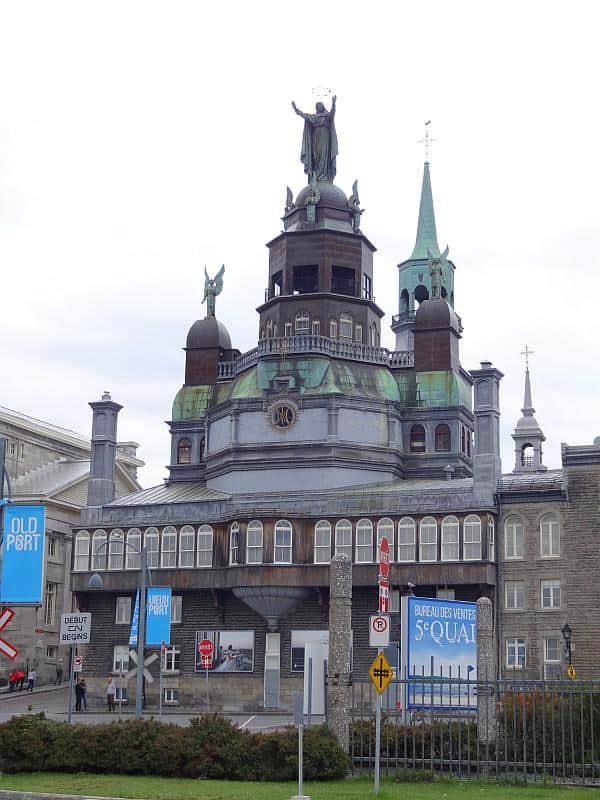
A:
x: 21, y: 678
x: 59, y: 672
x: 111, y: 691
x: 83, y: 693
x: 31, y: 679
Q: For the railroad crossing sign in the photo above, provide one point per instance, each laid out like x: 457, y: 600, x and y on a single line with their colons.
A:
x: 381, y: 673
x: 6, y: 647
x: 147, y: 661
x: 571, y: 672
x: 379, y: 630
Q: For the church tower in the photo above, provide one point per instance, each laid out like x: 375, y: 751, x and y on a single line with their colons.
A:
x: 414, y: 276
x: 528, y: 436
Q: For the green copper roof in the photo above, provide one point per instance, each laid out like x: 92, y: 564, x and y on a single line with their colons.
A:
x: 192, y: 402
x: 426, y: 232
x: 434, y: 389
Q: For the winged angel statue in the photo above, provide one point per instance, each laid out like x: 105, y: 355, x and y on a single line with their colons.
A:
x: 212, y: 287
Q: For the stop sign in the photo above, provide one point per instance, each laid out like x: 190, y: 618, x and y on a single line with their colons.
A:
x: 206, y: 647
x: 384, y: 558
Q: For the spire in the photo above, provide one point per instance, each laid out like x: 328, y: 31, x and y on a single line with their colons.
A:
x: 528, y: 435
x: 528, y: 410
x: 426, y: 232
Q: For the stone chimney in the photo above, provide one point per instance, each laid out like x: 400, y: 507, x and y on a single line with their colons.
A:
x: 101, y: 487
x: 487, y: 466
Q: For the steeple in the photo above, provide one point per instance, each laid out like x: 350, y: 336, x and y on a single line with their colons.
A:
x: 426, y: 231
x: 528, y: 435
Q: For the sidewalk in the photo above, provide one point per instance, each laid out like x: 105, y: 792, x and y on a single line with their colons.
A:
x: 50, y: 687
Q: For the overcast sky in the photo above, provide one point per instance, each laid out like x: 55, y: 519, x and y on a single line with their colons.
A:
x: 140, y: 141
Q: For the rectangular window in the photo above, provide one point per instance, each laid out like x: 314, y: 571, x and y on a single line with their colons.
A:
x: 52, y: 546
x: 514, y: 540
x: 358, y: 333
x: 121, y: 658
x: 176, y: 609
x: 333, y: 328
x: 287, y: 329
x: 550, y: 538
x: 346, y: 327
x: 367, y: 287
x: 254, y: 544
x: 491, y: 541
x: 123, y: 611
x: 514, y: 595
x: 171, y: 697
x: 120, y: 694
x: 552, y: 662
x: 316, y: 327
x: 299, y: 641
x: 550, y: 592
x: 51, y: 652
x: 50, y: 603
x: 515, y: 653
x: 172, y: 659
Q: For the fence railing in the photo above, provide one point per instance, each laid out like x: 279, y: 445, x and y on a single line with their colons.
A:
x: 530, y: 730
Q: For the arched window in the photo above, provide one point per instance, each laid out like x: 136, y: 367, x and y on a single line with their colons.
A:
x: 81, y: 561
x: 254, y: 542
x: 385, y: 527
x: 472, y: 538
x: 343, y: 538
x: 514, y: 538
x: 323, y: 542
x: 288, y: 329
x: 333, y: 328
x: 99, y: 555
x: 407, y: 535
x: 204, y: 550
x: 168, y: 549
x: 428, y: 539
x: 364, y: 541
x: 443, y: 442
x: 115, y: 549
x: 316, y: 327
x: 527, y: 455
x: 403, y: 301
x: 184, y: 451
x: 417, y: 439
x: 450, y: 539
x: 269, y: 328
x: 346, y: 327
x: 491, y: 540
x: 234, y: 543
x: 302, y: 322
x: 549, y: 536
x: 283, y: 542
x: 187, y: 537
x: 134, y: 549
x: 358, y: 333
x: 151, y: 543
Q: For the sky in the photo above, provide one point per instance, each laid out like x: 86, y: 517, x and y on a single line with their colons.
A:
x: 143, y: 141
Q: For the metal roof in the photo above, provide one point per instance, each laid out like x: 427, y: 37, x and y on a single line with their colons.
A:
x: 532, y: 481
x: 181, y: 492
x: 50, y: 478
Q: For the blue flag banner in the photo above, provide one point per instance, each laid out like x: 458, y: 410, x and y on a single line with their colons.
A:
x: 158, y: 616
x: 135, y: 622
x: 23, y: 555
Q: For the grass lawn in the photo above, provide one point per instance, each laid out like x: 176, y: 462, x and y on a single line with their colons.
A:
x: 151, y: 788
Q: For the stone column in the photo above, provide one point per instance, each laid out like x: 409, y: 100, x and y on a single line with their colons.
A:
x: 340, y: 641
x: 486, y: 671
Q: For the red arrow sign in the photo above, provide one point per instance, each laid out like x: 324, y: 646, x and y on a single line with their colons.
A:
x: 6, y: 647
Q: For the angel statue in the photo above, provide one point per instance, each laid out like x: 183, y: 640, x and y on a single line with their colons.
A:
x: 212, y: 287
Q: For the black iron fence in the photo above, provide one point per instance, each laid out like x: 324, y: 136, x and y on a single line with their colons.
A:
x: 528, y: 730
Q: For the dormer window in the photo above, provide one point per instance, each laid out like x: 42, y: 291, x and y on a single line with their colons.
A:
x: 184, y: 451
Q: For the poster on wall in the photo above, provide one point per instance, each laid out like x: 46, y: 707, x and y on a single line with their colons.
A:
x: 23, y: 555
x: 439, y: 652
x: 234, y: 651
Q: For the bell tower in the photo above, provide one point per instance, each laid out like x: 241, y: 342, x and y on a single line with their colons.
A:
x: 528, y: 436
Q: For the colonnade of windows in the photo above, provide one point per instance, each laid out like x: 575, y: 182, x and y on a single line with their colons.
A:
x: 343, y: 328
x: 410, y: 541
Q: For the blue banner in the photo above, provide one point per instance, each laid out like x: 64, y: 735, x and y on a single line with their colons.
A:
x: 135, y: 622
x: 440, y: 653
x: 158, y: 616
x: 23, y: 555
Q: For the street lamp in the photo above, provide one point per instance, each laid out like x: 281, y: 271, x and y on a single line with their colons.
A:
x: 96, y: 582
x: 566, y: 634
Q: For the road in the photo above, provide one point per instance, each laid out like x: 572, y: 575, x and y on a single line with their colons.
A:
x: 53, y: 702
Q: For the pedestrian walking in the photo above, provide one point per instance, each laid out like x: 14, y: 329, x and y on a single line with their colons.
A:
x: 19, y: 678
x: 59, y: 672
x: 78, y: 695
x: 12, y: 680
x: 31, y: 679
x: 84, y: 693
x: 111, y: 691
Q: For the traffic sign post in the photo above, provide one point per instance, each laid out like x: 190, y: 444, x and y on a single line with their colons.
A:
x: 379, y: 631
x: 571, y: 672
x: 75, y: 628
x: 206, y: 649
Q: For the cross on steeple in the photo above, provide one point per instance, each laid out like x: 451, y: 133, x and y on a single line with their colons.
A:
x: 527, y: 352
x: 427, y: 140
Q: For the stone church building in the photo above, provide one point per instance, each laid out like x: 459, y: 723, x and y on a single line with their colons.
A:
x: 319, y: 441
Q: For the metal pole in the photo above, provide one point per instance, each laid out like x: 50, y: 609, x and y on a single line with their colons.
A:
x: 300, y: 760
x: 309, y: 699
x: 70, y: 705
x: 378, y: 737
x: 139, y: 687
x: 163, y: 656
x: 120, y: 688
x: 207, y: 696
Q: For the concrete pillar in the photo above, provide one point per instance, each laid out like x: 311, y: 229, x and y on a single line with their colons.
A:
x: 101, y: 487
x: 486, y: 671
x: 339, y: 678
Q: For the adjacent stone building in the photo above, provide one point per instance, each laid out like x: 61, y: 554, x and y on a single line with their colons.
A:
x: 50, y: 465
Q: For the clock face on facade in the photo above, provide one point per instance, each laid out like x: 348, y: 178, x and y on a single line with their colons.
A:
x: 282, y: 414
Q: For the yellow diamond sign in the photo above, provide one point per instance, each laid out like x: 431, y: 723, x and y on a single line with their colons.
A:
x: 571, y: 671
x: 381, y: 673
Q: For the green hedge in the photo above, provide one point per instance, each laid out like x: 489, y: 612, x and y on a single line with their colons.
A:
x: 211, y: 747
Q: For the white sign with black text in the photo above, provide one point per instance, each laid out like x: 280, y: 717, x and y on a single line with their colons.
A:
x: 75, y: 628
x: 379, y: 630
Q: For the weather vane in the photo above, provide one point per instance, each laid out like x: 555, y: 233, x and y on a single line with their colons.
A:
x: 527, y: 352
x: 427, y: 140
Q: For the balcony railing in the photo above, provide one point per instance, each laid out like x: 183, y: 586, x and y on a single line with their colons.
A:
x: 406, y: 316
x: 305, y: 343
